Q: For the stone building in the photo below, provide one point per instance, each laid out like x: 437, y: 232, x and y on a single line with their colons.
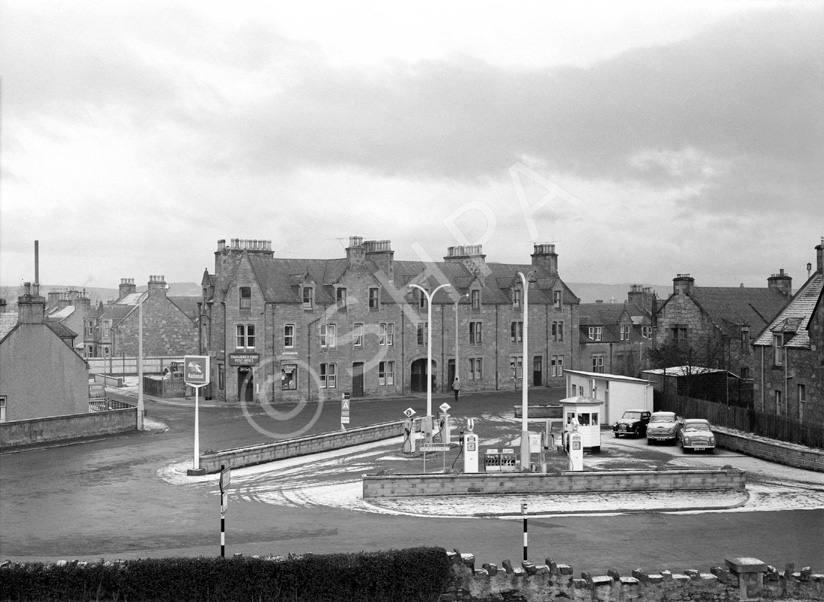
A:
x: 169, y: 323
x: 70, y: 308
x: 789, y: 355
x: 286, y: 329
x: 713, y: 326
x: 40, y: 373
x: 614, y: 337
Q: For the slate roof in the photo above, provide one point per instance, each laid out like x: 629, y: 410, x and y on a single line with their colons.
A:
x: 61, y: 330
x: 737, y: 305
x: 187, y: 304
x: 63, y: 313
x: 280, y: 279
x: 8, y: 321
x: 795, y: 318
x: 616, y: 377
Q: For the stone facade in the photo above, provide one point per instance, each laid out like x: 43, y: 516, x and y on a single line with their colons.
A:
x: 789, y: 352
x: 320, y: 328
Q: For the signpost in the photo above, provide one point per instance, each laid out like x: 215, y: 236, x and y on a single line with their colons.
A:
x: 225, y: 480
x: 196, y: 375
x: 344, y: 411
x: 523, y: 512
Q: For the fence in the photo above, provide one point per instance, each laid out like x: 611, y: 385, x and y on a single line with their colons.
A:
x: 102, y: 405
x: 128, y: 365
x: 781, y: 428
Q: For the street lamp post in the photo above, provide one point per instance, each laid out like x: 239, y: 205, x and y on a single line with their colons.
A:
x: 140, y: 361
x: 429, y: 297
x: 525, y: 465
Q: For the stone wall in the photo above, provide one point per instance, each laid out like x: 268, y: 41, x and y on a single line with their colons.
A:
x: 788, y: 454
x: 59, y: 428
x: 301, y: 446
x: 740, y: 579
x: 566, y: 482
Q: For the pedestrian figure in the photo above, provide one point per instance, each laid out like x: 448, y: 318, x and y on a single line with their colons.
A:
x: 456, y: 386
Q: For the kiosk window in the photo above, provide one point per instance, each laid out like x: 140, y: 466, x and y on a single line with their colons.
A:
x: 289, y: 377
x: 583, y: 419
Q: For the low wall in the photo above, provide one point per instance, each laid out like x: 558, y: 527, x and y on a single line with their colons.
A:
x: 382, y: 486
x: 555, y: 581
x: 301, y: 446
x: 780, y: 452
x: 73, y: 426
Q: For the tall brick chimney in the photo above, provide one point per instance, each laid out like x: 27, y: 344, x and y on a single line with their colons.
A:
x: 31, y: 307
x: 683, y: 284
x: 355, y: 252
x: 544, y: 257
x: 781, y: 282
x: 819, y: 256
x: 380, y: 251
x: 472, y: 256
x: 126, y: 287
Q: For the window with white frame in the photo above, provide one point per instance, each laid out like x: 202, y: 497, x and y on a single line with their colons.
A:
x: 556, y: 299
x: 624, y: 332
x: 423, y: 329
x: 289, y: 335
x: 340, y: 297
x: 802, y: 393
x: 245, y: 300
x: 357, y: 335
x: 308, y: 297
x: 598, y: 362
x: 476, y: 369
x: 516, y: 298
x: 2, y: 408
x: 475, y: 299
x: 516, y: 332
x: 328, y: 334
x: 386, y: 373
x: 421, y: 299
x: 374, y: 298
x: 557, y: 332
x: 89, y: 328
x: 778, y: 349
x: 556, y: 365
x: 595, y: 333
x: 476, y: 333
x: 245, y: 336
x: 106, y: 327
x: 646, y: 332
x: 328, y: 376
x: 386, y: 333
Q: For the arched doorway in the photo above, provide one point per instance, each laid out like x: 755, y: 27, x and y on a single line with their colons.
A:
x: 245, y: 384
x: 418, y: 374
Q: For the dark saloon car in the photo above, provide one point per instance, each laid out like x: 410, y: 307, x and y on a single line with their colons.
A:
x: 633, y: 422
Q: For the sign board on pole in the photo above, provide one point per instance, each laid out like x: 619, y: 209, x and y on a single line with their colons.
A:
x: 225, y: 479
x: 224, y: 502
x: 196, y: 370
x: 409, y: 412
x: 344, y: 408
x: 445, y: 407
x: 435, y: 447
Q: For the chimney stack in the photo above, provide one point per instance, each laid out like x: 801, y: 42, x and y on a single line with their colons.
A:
x: 157, y: 283
x: 380, y: 251
x: 126, y: 287
x: 683, y: 284
x: 819, y: 255
x: 781, y: 282
x: 545, y: 257
x: 31, y: 307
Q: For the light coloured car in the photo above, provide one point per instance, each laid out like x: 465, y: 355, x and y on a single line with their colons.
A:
x: 696, y: 435
x: 663, y: 426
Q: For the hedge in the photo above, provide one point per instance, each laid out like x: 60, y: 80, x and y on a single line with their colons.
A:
x: 415, y: 574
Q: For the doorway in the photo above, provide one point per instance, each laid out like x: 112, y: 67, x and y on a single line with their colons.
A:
x: 357, y: 379
x: 418, y: 384
x: 450, y: 372
x: 537, y: 371
x: 245, y: 384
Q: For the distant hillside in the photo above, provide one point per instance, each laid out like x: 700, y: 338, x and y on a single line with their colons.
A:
x: 592, y: 292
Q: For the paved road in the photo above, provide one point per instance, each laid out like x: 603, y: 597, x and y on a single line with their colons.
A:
x: 112, y: 498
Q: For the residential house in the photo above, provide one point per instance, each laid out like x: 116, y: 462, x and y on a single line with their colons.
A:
x: 170, y: 323
x: 71, y: 309
x: 614, y: 337
x: 286, y: 329
x: 40, y: 373
x: 789, y: 355
x: 712, y: 326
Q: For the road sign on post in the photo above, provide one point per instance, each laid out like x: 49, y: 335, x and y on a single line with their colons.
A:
x: 196, y: 370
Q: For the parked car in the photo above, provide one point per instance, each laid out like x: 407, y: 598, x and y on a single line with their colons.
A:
x: 633, y: 422
x: 696, y: 435
x: 663, y: 426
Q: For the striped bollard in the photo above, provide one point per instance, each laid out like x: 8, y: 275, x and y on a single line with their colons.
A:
x: 523, y: 512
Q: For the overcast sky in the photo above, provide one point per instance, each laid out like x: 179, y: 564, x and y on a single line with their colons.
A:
x: 643, y: 139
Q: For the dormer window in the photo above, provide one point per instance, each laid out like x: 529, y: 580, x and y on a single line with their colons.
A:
x: 624, y: 332
x: 516, y: 299
x: 556, y: 299
x: 308, y: 297
x: 340, y: 297
x: 421, y: 300
x: 245, y: 297
x: 374, y: 298
x: 475, y: 299
x: 595, y: 333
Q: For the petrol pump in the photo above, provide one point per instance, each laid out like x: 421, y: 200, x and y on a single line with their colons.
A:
x: 576, y: 448
x: 445, y: 428
x: 470, y: 447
